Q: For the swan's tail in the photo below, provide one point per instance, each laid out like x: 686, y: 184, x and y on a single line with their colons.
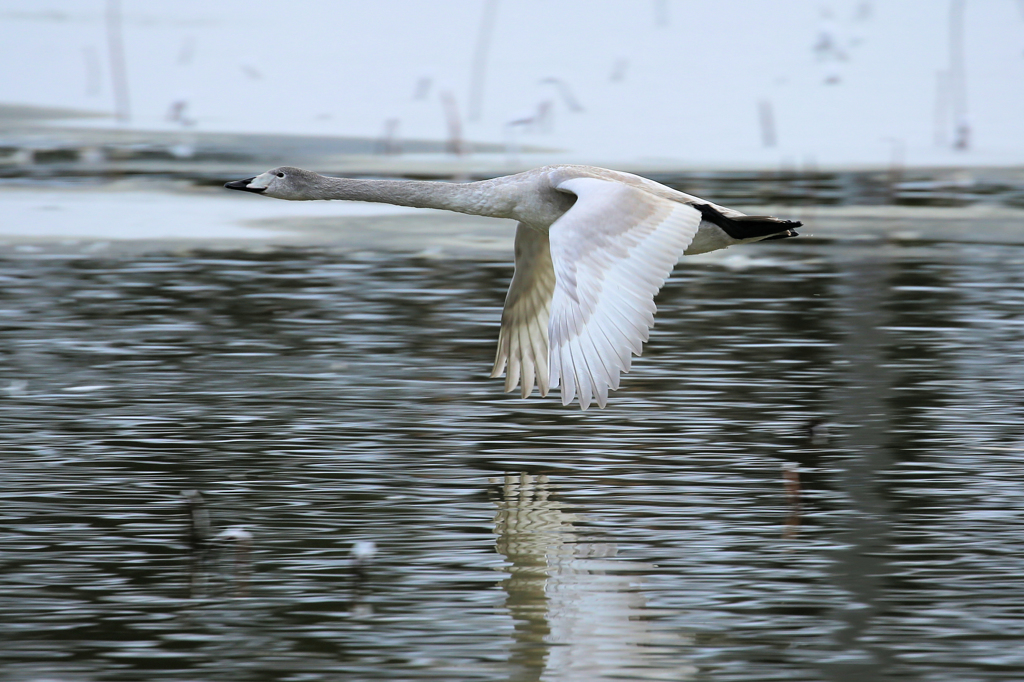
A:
x: 749, y: 226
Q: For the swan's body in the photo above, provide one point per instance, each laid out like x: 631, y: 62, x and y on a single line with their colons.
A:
x: 593, y: 246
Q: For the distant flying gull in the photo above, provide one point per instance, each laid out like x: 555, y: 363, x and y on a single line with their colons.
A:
x: 593, y: 247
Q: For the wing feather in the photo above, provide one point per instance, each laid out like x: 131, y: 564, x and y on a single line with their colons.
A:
x: 523, y: 340
x: 611, y: 253
x: 581, y: 302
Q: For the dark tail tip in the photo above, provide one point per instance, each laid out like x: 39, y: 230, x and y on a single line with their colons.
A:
x: 749, y: 226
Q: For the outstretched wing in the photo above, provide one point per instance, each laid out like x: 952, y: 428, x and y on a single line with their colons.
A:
x: 611, y: 253
x: 523, y: 341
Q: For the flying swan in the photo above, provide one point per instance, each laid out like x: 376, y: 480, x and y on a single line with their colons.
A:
x: 593, y: 246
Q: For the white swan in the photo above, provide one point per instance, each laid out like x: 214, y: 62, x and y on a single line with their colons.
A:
x: 593, y: 247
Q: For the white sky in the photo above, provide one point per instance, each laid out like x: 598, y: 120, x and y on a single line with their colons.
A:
x: 689, y: 87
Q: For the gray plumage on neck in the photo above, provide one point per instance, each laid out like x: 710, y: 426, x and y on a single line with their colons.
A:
x: 297, y: 184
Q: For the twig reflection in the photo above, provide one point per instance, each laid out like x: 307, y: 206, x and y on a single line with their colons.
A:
x: 791, y: 480
x: 206, y: 553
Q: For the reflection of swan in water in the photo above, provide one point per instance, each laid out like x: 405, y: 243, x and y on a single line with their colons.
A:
x: 578, y: 614
x: 593, y: 246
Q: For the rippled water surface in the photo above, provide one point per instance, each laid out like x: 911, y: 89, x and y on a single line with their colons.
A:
x: 814, y: 473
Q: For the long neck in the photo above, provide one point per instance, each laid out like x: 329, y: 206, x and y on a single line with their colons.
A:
x: 477, y: 198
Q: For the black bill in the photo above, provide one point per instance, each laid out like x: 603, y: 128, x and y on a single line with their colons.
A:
x: 244, y: 185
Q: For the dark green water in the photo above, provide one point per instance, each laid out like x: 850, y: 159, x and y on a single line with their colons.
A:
x: 320, y: 401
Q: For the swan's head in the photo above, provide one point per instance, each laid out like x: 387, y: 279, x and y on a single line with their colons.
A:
x: 284, y: 182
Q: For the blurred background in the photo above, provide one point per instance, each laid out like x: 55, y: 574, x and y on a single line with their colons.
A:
x: 659, y: 84
x: 249, y: 439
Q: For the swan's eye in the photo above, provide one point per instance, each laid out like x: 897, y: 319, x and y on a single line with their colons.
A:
x: 280, y: 175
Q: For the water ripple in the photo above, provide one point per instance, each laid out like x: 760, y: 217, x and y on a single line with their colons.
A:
x: 318, y: 403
